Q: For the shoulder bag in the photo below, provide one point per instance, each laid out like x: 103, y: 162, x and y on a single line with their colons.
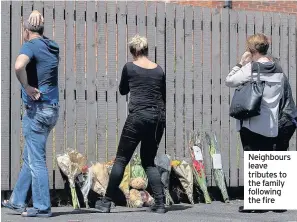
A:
x: 247, y: 98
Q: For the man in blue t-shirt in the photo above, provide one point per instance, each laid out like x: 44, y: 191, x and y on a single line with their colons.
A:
x: 36, y: 68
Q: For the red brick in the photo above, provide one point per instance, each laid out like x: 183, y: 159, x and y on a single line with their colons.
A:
x: 264, y: 5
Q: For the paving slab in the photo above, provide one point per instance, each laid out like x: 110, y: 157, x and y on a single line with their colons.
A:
x: 214, y: 212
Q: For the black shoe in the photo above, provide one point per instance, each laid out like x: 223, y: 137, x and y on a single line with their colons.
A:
x: 242, y: 210
x: 103, y: 205
x: 160, y: 209
x: 279, y: 211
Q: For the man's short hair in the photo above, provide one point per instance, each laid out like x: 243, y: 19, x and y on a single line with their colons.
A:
x: 38, y: 29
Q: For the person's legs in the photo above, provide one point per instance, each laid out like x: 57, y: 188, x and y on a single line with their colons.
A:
x: 149, y: 147
x: 130, y: 138
x: 248, y: 140
x: 42, y: 121
x: 253, y: 142
x: 285, y: 134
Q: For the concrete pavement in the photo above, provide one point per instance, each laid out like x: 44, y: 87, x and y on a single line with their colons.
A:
x: 214, y: 212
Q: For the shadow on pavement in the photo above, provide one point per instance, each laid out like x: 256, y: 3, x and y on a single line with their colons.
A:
x: 178, y: 207
x: 56, y: 214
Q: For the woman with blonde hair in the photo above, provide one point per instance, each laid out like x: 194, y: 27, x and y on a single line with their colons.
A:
x: 145, y: 80
x: 259, y: 133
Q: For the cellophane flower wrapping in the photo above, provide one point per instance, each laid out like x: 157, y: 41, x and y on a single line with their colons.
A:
x: 85, y: 181
x: 163, y: 164
x: 71, y: 164
x: 125, y: 183
x: 184, y: 173
x: 198, y: 166
x: 100, y: 178
x: 138, y: 173
x: 218, y: 174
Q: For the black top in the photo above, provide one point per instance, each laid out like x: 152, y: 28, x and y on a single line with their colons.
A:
x: 147, y: 87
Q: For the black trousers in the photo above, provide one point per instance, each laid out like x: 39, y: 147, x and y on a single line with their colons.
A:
x: 147, y: 127
x: 255, y: 142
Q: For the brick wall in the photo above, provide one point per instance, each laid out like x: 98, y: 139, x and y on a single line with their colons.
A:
x: 267, y: 5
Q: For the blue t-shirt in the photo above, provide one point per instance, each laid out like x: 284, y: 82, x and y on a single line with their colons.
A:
x: 42, y: 70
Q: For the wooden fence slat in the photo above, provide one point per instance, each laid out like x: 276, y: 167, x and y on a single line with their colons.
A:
x: 38, y: 5
x: 141, y: 29
x: 101, y: 83
x: 27, y: 9
x: 70, y: 76
x: 151, y: 28
x: 122, y: 58
x: 216, y: 81
x: 111, y: 79
x: 198, y: 80
x: 284, y: 43
x: 225, y: 128
x: 206, y: 86
x: 188, y: 54
x: 292, y: 66
x: 160, y: 36
x: 250, y: 23
x: 5, y: 95
x: 131, y: 23
x: 15, y: 125
x: 179, y: 105
x: 259, y: 26
x: 275, y: 35
x: 267, y: 27
x: 233, y: 138
x: 59, y: 37
x: 242, y: 35
x: 170, y: 80
x: 80, y: 76
x: 48, y: 31
x: 91, y: 82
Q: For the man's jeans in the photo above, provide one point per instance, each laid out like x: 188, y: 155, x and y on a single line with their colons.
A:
x: 38, y: 120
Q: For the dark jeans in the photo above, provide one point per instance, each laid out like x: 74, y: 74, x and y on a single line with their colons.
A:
x: 285, y: 133
x: 255, y: 142
x: 147, y: 127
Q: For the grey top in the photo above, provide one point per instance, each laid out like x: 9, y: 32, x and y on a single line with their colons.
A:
x: 266, y: 123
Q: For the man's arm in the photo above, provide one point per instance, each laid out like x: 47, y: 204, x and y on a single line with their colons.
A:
x: 20, y: 70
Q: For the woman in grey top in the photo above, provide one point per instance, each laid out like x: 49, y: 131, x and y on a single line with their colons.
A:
x: 259, y: 133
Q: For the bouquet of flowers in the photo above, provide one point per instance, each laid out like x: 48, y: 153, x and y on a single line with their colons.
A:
x: 218, y: 173
x: 125, y: 184
x: 138, y: 176
x: 100, y: 178
x: 84, y: 181
x: 185, y: 176
x: 71, y: 164
x: 197, y: 164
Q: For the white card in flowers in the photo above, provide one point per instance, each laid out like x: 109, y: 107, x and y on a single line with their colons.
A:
x: 197, y: 153
x: 217, y: 161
